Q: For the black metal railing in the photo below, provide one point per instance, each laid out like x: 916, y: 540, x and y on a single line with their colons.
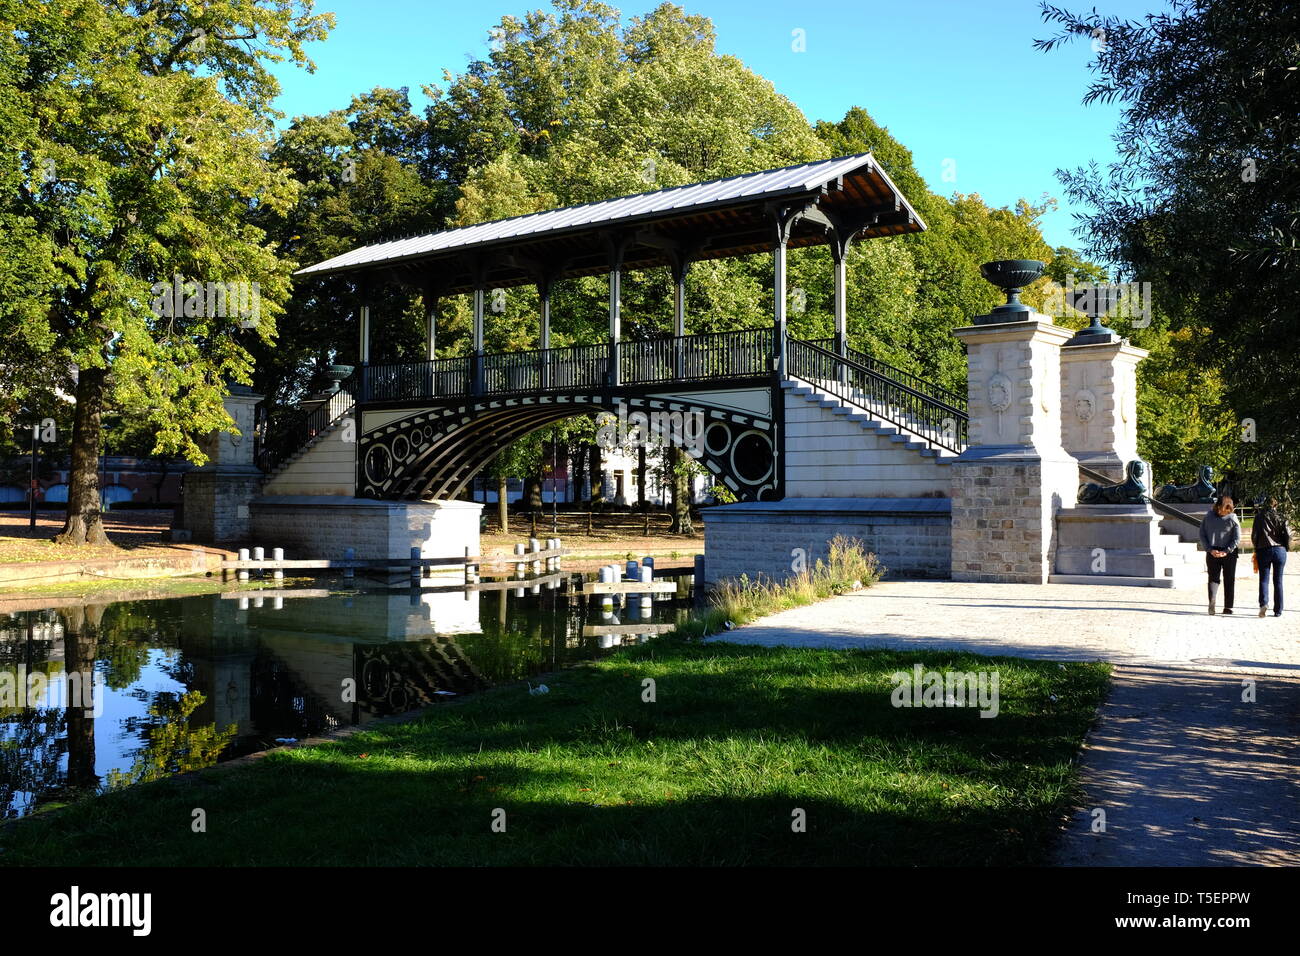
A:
x: 396, y: 381
x: 289, y: 431
x: 924, y: 386
x: 746, y: 353
x: 540, y: 370
x: 715, y: 355
x: 937, y: 422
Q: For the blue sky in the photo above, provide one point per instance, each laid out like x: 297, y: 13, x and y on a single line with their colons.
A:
x: 935, y: 72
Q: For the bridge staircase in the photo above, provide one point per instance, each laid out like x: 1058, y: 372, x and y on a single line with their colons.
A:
x: 303, y: 432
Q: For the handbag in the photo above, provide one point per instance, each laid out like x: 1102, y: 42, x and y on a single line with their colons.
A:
x: 1254, y: 561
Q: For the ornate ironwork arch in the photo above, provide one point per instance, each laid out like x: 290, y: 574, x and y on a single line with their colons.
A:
x: 435, y: 451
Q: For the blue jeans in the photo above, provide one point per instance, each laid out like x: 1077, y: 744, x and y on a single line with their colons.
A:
x: 1271, y: 560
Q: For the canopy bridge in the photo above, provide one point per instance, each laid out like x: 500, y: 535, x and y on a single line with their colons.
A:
x: 425, y: 428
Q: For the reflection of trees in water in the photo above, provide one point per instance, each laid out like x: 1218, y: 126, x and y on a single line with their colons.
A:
x: 31, y: 748
x: 128, y: 631
x: 173, y: 746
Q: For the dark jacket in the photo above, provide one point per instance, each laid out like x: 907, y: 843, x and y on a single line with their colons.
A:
x: 1270, y: 530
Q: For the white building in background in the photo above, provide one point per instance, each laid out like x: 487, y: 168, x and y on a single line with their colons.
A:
x: 618, y: 476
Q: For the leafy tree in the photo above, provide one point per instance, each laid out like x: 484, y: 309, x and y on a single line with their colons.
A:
x: 140, y: 137
x: 1203, y: 202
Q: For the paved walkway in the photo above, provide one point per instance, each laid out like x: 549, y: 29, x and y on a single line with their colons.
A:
x: 1188, y: 773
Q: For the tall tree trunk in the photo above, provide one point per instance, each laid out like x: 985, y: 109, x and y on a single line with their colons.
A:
x: 597, y: 489
x: 503, y: 504
x: 84, y: 524
x: 577, y: 470
x: 681, y: 486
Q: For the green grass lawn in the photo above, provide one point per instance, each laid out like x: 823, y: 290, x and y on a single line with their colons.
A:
x: 710, y: 773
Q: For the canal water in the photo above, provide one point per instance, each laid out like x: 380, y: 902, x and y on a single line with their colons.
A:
x: 99, y: 696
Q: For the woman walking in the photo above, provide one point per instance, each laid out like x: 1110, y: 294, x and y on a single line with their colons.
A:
x: 1271, y: 538
x: 1221, y: 539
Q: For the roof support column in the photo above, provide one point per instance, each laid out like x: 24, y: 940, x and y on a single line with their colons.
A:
x: 479, y: 266
x: 431, y: 291
x: 617, y: 244
x: 840, y: 234
x: 783, y: 219
x: 544, y: 296
x: 681, y: 265
x: 476, y: 358
x: 431, y: 327
x: 363, y: 334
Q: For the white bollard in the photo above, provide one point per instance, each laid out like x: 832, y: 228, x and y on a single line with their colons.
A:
x: 242, y: 573
x: 519, y: 565
x: 277, y: 554
x: 349, y: 554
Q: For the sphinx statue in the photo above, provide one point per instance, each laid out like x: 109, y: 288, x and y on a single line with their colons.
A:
x: 1201, y: 491
x: 1132, y: 490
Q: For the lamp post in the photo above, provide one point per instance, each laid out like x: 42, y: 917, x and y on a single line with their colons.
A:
x: 43, y: 431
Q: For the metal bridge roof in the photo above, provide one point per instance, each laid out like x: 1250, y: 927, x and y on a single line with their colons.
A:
x: 720, y: 218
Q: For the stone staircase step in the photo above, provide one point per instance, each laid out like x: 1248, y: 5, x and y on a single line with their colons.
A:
x: 1113, y: 580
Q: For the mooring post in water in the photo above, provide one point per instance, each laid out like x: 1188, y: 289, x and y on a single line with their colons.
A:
x: 519, y: 565
x: 277, y: 554
x: 415, y: 566
x: 607, y: 576
x: 471, y: 569
x: 534, y: 546
x: 259, y: 554
x: 633, y: 570
x: 242, y: 573
x: 647, y: 600
x: 349, y: 554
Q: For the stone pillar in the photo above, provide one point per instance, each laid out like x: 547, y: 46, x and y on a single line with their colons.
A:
x: 1014, y: 475
x: 1099, y: 404
x: 216, y: 495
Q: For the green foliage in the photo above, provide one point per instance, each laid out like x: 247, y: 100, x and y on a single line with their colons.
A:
x: 140, y: 136
x: 1204, y: 203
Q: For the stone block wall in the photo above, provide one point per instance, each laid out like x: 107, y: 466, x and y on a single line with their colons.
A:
x: 910, y: 536
x: 1003, y: 517
x: 310, y: 526
x: 215, y: 506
